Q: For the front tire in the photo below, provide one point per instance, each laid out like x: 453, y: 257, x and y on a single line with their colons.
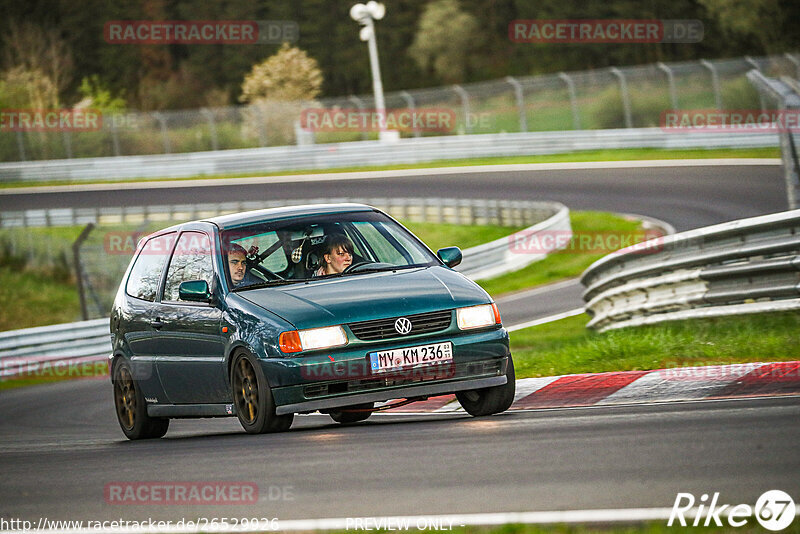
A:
x: 492, y: 400
x: 131, y: 407
x: 346, y: 417
x: 255, y: 406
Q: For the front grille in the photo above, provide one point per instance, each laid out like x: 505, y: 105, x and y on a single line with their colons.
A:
x: 407, y: 377
x: 421, y: 323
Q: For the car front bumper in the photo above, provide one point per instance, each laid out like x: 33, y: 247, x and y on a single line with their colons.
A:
x: 326, y: 381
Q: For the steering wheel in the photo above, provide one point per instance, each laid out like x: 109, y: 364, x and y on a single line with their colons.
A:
x: 354, y: 266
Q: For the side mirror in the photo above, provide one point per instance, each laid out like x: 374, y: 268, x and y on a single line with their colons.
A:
x: 194, y: 291
x: 450, y: 256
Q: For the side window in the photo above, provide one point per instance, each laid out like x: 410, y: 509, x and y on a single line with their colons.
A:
x: 146, y: 272
x: 190, y: 261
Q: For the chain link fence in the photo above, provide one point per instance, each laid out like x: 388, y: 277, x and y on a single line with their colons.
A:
x: 629, y: 97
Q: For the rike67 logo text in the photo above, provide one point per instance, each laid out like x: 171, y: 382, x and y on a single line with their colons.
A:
x: 774, y: 510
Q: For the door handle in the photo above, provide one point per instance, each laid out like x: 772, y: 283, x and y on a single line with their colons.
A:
x: 157, y: 324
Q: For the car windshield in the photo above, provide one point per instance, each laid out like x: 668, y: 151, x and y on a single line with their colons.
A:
x: 283, y: 252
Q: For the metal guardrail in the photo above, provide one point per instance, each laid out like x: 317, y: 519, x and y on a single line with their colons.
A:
x: 498, y: 257
x: 31, y: 349
x: 786, y: 94
x: 739, y: 267
x: 436, y: 210
x: 368, y: 153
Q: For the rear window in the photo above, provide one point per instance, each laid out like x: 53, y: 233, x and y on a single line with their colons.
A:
x: 146, y: 273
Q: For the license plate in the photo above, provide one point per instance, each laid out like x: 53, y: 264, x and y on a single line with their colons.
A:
x: 421, y: 355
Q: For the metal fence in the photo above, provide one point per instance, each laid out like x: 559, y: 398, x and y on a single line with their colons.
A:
x: 739, y: 267
x: 629, y: 97
x: 368, y: 153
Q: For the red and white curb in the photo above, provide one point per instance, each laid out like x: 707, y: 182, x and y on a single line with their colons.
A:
x: 639, y: 387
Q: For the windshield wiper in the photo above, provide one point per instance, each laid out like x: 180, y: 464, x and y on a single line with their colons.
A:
x: 384, y: 268
x: 269, y: 283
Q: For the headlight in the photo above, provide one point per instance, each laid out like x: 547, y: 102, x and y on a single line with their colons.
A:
x: 478, y: 316
x: 312, y: 339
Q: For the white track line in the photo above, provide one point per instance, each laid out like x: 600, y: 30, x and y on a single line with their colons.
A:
x: 411, y: 522
x: 364, y: 175
x: 543, y: 320
x: 421, y: 522
x: 525, y: 293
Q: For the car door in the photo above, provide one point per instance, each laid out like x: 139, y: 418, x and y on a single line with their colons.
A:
x: 191, y: 362
x: 139, y: 311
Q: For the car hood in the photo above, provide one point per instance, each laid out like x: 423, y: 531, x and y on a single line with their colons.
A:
x: 362, y: 297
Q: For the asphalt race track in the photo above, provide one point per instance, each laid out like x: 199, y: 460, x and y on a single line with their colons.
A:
x: 60, y: 444
x: 686, y: 197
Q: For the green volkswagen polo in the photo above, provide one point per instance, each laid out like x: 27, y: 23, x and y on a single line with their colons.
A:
x: 335, y: 308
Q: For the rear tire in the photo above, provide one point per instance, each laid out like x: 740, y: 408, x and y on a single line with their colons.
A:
x: 492, y: 400
x: 346, y: 417
x: 131, y: 408
x: 252, y: 397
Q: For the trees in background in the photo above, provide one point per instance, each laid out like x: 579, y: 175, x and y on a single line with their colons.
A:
x: 276, y: 90
x: 37, y: 66
x: 446, y: 40
x: 49, y: 47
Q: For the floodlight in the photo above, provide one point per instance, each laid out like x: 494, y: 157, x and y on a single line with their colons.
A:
x: 376, y: 10
x: 359, y: 12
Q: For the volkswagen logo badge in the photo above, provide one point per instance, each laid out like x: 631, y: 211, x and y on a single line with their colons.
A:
x: 403, y: 326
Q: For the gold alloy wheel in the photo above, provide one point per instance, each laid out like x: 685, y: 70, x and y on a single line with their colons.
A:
x: 245, y: 388
x: 125, y: 397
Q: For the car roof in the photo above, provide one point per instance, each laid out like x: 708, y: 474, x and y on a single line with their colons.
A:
x: 235, y: 220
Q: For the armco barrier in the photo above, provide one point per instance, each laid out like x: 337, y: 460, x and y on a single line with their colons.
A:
x: 367, y: 153
x: 32, y: 348
x: 433, y: 210
x: 739, y: 267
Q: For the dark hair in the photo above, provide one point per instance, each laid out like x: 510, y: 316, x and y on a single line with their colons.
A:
x: 335, y: 241
x: 235, y: 248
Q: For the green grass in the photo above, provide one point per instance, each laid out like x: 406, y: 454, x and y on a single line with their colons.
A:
x: 567, y: 347
x: 35, y: 299
x: 580, y: 156
x: 651, y: 527
x: 47, y: 375
x: 573, y: 260
x: 437, y: 236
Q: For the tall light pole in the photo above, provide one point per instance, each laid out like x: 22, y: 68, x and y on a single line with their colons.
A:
x: 366, y: 15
